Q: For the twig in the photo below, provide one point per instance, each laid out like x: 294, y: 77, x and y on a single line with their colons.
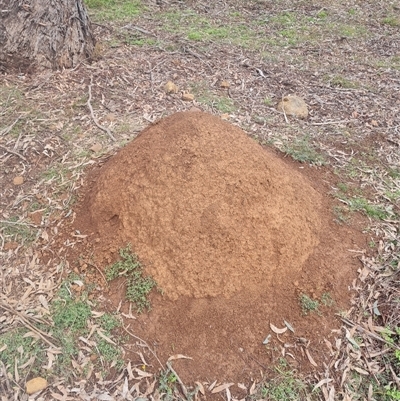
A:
x: 24, y: 320
x: 284, y: 114
x: 98, y: 269
x: 138, y: 28
x: 332, y: 122
x: 18, y: 223
x: 184, y: 389
x: 369, y: 333
x: 92, y: 113
x: 10, y: 127
x: 147, y: 345
x: 13, y: 153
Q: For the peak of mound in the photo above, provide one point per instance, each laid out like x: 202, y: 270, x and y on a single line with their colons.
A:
x: 207, y: 210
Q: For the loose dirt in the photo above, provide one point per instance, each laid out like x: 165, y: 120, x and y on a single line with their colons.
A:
x: 233, y: 235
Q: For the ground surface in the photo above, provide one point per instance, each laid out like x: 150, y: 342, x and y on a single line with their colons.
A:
x: 238, y: 61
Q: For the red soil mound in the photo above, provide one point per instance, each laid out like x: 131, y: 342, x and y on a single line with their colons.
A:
x: 206, y: 208
x: 231, y: 234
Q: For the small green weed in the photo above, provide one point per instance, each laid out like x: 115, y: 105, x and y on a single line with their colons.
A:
x: 114, y: 9
x: 138, y: 287
x: 109, y: 352
x: 308, y: 305
x: 340, y: 214
x: 361, y: 204
x: 391, y: 21
x: 342, y: 82
x: 18, y: 347
x: 284, y: 387
x: 303, y: 151
x: 109, y: 322
x: 167, y: 382
x: 222, y: 103
x: 352, y: 31
x: 326, y: 299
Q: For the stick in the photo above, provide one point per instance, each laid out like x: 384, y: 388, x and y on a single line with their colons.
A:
x: 369, y: 333
x: 92, y: 113
x: 14, y: 153
x: 284, y: 112
x: 24, y: 320
x: 98, y: 269
x: 332, y: 122
x: 9, y: 128
x: 147, y: 345
x: 169, y: 366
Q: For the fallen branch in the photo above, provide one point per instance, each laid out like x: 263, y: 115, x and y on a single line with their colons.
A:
x: 369, y: 333
x: 14, y: 153
x: 92, y: 113
x: 24, y: 320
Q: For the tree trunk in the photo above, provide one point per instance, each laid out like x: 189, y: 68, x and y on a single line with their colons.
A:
x: 37, y: 34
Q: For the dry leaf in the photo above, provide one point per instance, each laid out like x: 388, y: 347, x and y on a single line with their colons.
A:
x: 321, y: 383
x: 310, y: 358
x: 212, y: 385
x: 276, y: 330
x: 267, y: 339
x: 178, y: 356
x: 252, y: 388
x: 43, y: 301
x: 221, y: 387
x: 289, y: 326
x: 361, y: 371
x: 200, y: 387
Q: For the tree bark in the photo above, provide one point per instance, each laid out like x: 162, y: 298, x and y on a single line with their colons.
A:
x: 37, y: 34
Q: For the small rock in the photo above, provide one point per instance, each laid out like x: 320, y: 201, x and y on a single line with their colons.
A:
x: 194, y: 109
x: 224, y: 84
x: 293, y: 105
x: 19, y: 180
x: 170, y: 87
x: 10, y: 245
x: 225, y: 116
x: 187, y: 97
x: 36, y: 217
x: 110, y: 117
x: 96, y: 148
x: 35, y: 385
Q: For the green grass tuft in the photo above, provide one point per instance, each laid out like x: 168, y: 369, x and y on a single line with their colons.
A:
x: 302, y: 150
x: 308, y: 305
x: 112, y: 10
x: 285, y: 386
x: 138, y: 287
